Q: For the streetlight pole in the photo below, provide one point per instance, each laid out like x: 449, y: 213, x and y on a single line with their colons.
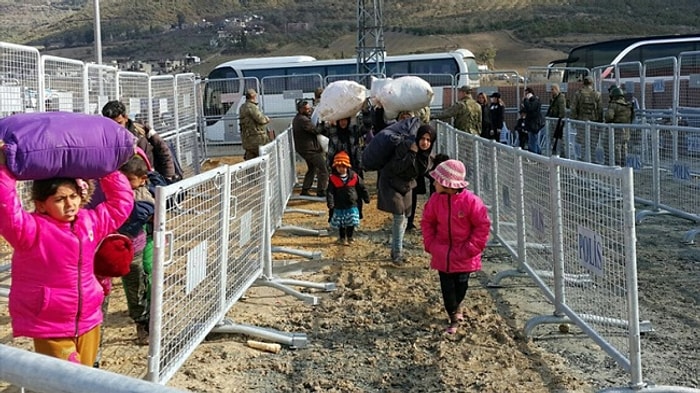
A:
x: 98, y: 33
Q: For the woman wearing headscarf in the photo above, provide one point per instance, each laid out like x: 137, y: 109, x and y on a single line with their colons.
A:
x: 397, y: 179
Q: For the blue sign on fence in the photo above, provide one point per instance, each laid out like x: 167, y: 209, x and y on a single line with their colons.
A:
x: 681, y: 171
x: 590, y: 250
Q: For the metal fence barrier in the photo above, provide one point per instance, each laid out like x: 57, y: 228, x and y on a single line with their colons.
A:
x: 44, y: 374
x: 664, y: 158
x: 571, y: 227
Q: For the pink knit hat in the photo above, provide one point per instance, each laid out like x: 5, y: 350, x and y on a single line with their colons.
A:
x: 450, y: 174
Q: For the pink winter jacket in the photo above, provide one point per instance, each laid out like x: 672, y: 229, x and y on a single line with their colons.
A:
x: 54, y: 292
x: 455, y: 231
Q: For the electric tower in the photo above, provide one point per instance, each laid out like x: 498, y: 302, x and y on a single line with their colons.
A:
x: 370, y: 38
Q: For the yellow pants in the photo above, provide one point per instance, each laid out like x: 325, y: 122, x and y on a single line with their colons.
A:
x: 81, y: 350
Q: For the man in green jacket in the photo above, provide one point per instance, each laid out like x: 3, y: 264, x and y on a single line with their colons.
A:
x: 557, y: 109
x: 252, y: 122
x: 466, y: 112
x: 620, y: 111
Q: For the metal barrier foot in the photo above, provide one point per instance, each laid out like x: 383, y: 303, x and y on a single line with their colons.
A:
x: 275, y: 283
x: 689, y: 237
x: 297, y: 252
x: 302, y: 231
x: 294, y: 340
x: 642, y: 215
x: 306, y: 211
x: 532, y: 323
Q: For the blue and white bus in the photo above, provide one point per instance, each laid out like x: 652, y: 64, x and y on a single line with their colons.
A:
x: 225, y: 85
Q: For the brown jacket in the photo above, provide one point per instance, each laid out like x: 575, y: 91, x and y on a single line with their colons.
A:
x: 157, y: 150
x: 305, y: 135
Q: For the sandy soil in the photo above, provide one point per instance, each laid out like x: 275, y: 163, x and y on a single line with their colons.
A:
x: 382, y: 330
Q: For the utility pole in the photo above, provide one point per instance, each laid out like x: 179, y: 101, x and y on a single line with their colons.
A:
x: 370, y: 38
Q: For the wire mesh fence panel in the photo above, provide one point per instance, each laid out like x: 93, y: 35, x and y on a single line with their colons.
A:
x: 639, y: 156
x: 134, y: 93
x: 277, y: 199
x: 484, y: 172
x: 507, y: 191
x: 19, y: 80
x: 19, y: 93
x: 247, y: 225
x: 64, y: 86
x: 689, y: 87
x: 287, y: 163
x: 162, y: 104
x: 538, y: 213
x: 101, y: 86
x: 660, y: 87
x: 601, y: 141
x: 679, y: 168
x: 185, y: 100
x: 464, y: 150
x: 221, y: 99
x: 189, y: 265
x: 186, y: 147
x: 596, y: 231
x: 627, y: 76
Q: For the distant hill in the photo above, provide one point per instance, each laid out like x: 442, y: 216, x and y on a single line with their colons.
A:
x: 538, y: 30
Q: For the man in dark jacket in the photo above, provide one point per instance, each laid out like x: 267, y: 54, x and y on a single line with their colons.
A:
x: 157, y: 150
x: 534, y: 120
x: 307, y: 145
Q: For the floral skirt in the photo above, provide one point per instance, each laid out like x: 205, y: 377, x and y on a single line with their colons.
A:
x: 345, y: 217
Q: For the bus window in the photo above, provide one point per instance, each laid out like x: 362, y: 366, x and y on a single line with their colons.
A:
x: 396, y: 67
x: 306, y: 70
x: 269, y: 85
x: 666, y: 50
x: 341, y: 69
x: 439, y: 66
x: 222, y: 83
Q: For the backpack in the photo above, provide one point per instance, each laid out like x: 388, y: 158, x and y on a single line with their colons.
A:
x: 587, y: 104
x: 381, y: 148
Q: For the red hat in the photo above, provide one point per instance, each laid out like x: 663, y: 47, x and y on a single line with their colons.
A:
x: 342, y: 158
x: 113, y: 256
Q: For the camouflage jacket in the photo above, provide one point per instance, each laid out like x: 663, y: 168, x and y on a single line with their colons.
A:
x: 587, y: 105
x: 619, y: 111
x: 466, y: 114
x: 252, y: 123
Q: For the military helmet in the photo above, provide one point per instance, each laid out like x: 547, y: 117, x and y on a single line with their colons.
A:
x: 616, y: 92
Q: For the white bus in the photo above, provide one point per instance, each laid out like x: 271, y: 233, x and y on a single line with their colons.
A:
x: 282, y: 80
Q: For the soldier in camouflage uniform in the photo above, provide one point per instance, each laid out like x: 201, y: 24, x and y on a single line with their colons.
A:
x: 252, y: 121
x: 466, y: 112
x: 587, y: 105
x: 620, y: 111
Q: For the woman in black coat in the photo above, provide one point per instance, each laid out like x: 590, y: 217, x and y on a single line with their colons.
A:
x: 398, y: 178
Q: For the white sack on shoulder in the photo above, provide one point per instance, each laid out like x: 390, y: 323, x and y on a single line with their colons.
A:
x: 407, y: 93
x: 341, y: 99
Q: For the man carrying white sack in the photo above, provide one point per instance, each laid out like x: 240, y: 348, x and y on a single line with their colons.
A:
x: 307, y: 145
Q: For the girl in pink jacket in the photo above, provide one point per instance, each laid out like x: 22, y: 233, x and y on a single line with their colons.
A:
x: 54, y: 296
x: 455, y: 228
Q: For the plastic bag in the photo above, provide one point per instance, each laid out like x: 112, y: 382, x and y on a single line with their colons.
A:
x: 340, y: 100
x: 407, y: 93
x: 323, y: 141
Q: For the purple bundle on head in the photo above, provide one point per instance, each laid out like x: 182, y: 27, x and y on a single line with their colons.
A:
x: 64, y: 144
